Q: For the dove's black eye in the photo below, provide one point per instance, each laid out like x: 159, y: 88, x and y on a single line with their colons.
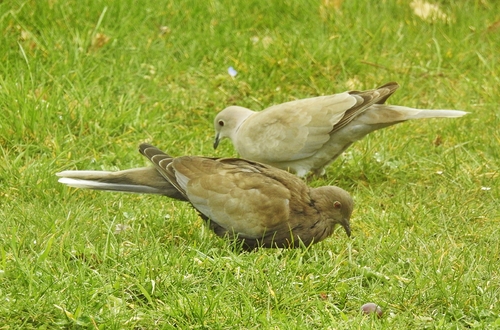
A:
x: 221, y: 123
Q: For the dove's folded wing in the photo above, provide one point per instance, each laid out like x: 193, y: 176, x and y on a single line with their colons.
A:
x: 364, y: 100
x: 238, y: 198
x: 292, y: 130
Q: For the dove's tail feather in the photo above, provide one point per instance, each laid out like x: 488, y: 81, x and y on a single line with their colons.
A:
x: 411, y: 113
x: 145, y: 180
x: 97, y: 185
x: 392, y: 114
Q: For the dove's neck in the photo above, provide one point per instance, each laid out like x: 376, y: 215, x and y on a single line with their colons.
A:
x: 243, y: 117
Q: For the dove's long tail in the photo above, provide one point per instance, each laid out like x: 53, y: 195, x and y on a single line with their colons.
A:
x: 411, y: 113
x: 392, y: 114
x: 145, y: 180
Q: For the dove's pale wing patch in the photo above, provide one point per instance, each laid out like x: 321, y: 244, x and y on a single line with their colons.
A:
x: 292, y: 130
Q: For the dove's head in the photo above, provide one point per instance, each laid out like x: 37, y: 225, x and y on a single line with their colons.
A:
x: 336, y: 206
x: 228, y: 121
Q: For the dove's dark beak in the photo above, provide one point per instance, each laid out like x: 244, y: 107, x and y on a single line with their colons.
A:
x: 347, y: 228
x: 217, y: 140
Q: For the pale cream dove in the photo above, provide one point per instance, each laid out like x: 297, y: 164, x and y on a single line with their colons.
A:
x: 307, y: 135
x: 255, y: 204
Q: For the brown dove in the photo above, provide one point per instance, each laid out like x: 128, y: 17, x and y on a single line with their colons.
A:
x: 307, y: 135
x: 252, y: 203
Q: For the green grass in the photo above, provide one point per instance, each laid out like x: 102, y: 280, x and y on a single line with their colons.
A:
x: 82, y: 83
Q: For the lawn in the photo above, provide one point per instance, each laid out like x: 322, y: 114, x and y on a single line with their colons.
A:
x: 82, y: 83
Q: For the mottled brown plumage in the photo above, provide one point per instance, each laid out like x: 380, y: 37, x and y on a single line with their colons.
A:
x: 256, y: 204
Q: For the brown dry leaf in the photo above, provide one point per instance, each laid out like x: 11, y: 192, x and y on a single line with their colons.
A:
x: 493, y: 27
x: 326, y: 7
x: 428, y: 12
x: 438, y: 141
x: 99, y: 40
x: 336, y: 4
